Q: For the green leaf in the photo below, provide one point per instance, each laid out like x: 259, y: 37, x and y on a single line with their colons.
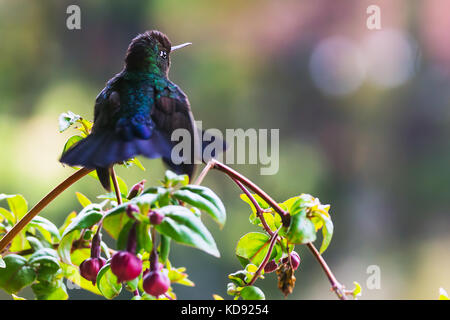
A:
x: 204, y: 199
x: 50, y: 290
x: 261, y: 202
x: 46, y: 262
x: 65, y: 246
x: 67, y: 222
x: 72, y: 274
x: 164, y: 248
x: 107, y: 283
x: 87, y: 217
x: 70, y: 142
x: 47, y: 228
x: 82, y: 199
x: 115, y: 220
x: 184, y: 227
x: 7, y: 215
x: 252, y: 293
x: 17, y: 204
x: 35, y: 243
x: 171, y: 179
x: 253, y: 247
x: 327, y: 232
x: 301, y: 229
x: 17, y: 274
x: 2, y: 262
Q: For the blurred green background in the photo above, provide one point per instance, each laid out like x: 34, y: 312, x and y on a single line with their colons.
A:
x: 363, y: 116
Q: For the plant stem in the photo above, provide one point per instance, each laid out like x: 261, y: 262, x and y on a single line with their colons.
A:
x: 116, y: 186
x: 285, y: 217
x: 236, y: 176
x: 259, y: 210
x: 266, y: 259
x: 4, y: 242
x: 335, y: 285
x: 204, y: 172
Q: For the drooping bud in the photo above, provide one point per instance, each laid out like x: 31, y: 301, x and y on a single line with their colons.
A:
x: 271, y: 266
x: 295, y: 260
x: 156, y: 217
x: 90, y: 267
x: 132, y: 208
x: 156, y: 283
x: 126, y: 266
x: 136, y: 189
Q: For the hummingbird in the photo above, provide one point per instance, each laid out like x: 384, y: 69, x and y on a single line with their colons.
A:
x: 137, y: 112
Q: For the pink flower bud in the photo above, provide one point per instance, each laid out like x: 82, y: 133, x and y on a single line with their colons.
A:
x: 132, y: 208
x: 295, y: 260
x: 156, y: 283
x: 271, y: 266
x: 156, y: 217
x: 126, y: 266
x: 136, y: 189
x: 89, y: 268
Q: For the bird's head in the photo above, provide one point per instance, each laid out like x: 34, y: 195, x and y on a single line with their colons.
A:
x: 150, y: 52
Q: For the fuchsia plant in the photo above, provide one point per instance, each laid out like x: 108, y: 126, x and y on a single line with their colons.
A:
x: 144, y: 222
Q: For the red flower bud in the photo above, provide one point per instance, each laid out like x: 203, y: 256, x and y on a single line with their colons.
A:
x: 271, y: 266
x: 89, y: 268
x: 295, y: 260
x: 156, y: 283
x: 126, y: 266
x: 156, y: 217
x: 131, y: 208
x: 136, y: 189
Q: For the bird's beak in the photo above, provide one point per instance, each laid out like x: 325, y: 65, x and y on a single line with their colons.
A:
x: 180, y: 46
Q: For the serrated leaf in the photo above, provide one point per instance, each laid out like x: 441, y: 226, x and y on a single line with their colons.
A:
x: 184, y: 227
x: 203, y: 199
x: 17, y: 274
x: 253, y: 247
x: 46, y: 227
x: 107, y: 283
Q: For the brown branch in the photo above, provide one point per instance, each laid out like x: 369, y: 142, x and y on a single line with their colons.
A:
x: 266, y: 259
x: 234, y: 175
x: 259, y: 210
x: 41, y: 205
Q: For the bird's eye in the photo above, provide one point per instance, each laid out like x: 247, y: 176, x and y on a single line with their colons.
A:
x: 163, y: 54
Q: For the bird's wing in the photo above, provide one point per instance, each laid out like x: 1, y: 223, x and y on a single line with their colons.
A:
x: 172, y: 111
x: 107, y: 104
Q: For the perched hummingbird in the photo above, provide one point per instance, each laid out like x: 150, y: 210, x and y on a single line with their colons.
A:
x: 136, y: 113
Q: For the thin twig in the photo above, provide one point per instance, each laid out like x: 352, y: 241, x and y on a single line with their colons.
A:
x: 234, y: 175
x: 266, y: 259
x: 204, y: 172
x: 116, y: 186
x: 259, y: 210
x: 41, y: 205
x: 335, y: 285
